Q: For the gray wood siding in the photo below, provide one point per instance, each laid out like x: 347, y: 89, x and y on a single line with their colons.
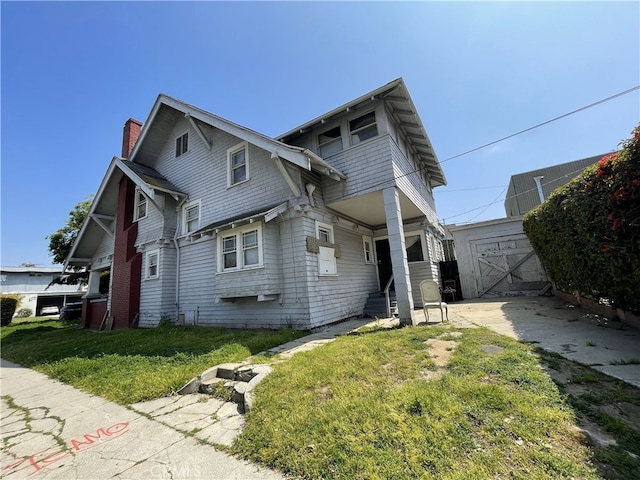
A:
x: 411, y: 183
x: 157, y: 295
x: 366, y: 166
x: 202, y: 174
x: 103, y: 255
x: 334, y: 298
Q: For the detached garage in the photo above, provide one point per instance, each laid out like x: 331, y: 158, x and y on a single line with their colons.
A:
x: 495, y: 259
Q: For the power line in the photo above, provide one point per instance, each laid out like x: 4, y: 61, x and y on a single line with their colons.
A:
x: 576, y: 172
x: 545, y: 123
x: 599, y: 102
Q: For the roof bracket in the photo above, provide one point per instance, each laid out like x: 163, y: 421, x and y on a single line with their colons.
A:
x: 285, y: 173
x: 198, y: 130
x: 99, y: 220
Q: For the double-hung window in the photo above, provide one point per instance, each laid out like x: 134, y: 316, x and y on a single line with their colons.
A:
x: 191, y: 217
x: 240, y: 248
x: 367, y: 245
x: 182, y: 144
x: 152, y: 270
x: 141, y: 206
x: 413, y: 245
x: 330, y: 142
x: 363, y: 128
x: 237, y: 164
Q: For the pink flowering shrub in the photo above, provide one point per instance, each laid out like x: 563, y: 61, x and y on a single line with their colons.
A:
x: 587, y: 233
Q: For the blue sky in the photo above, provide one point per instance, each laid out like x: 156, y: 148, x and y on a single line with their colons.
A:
x: 74, y: 72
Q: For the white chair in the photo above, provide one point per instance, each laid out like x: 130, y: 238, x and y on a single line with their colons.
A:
x: 430, y: 292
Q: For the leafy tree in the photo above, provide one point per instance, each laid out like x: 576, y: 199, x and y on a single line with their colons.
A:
x: 61, y: 242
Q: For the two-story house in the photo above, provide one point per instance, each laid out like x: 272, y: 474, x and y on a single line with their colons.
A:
x: 205, y: 222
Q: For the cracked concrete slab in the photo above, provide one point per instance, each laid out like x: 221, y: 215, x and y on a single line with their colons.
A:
x: 60, y: 432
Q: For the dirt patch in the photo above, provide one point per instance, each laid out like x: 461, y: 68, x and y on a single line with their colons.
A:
x: 441, y: 352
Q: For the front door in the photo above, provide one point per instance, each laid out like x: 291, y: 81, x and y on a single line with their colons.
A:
x: 383, y: 254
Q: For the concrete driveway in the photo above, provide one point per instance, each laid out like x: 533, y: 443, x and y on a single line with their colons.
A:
x: 608, y: 346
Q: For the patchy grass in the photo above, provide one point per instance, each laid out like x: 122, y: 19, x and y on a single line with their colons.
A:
x: 606, y: 406
x: 129, y: 366
x: 360, y: 407
x: 631, y: 361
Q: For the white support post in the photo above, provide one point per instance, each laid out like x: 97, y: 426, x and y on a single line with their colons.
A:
x: 399, y: 262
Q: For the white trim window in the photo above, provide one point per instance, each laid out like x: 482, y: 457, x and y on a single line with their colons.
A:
x: 367, y: 245
x: 191, y: 217
x: 324, y: 232
x: 415, y: 247
x: 238, y: 164
x: 240, y: 248
x: 363, y: 128
x: 330, y: 142
x: 152, y: 269
x: 327, y: 264
x: 141, y: 206
x: 182, y: 144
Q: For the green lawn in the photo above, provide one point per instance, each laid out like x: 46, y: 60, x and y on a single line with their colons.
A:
x: 379, y: 404
x: 128, y: 366
x: 363, y: 407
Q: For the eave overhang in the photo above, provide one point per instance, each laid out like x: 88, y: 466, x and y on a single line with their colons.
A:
x: 401, y: 107
x: 298, y: 156
x: 101, y: 212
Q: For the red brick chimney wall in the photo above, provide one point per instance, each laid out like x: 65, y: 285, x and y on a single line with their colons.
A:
x: 130, y: 135
x: 126, y: 270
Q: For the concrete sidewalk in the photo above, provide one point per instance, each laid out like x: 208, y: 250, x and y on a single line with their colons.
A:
x: 52, y: 430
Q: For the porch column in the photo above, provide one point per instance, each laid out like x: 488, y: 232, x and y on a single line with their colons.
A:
x: 399, y: 263
x: 93, y: 285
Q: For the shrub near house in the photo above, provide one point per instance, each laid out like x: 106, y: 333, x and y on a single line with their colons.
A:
x: 587, y: 233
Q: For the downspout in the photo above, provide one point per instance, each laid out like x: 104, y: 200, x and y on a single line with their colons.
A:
x: 177, y: 246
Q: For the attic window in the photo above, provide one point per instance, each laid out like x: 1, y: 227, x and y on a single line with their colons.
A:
x: 363, y: 128
x: 182, y: 144
x: 238, y: 164
x: 330, y: 142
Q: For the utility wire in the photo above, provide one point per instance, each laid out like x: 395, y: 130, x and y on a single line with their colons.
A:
x: 599, y: 102
x: 575, y: 172
x: 545, y: 123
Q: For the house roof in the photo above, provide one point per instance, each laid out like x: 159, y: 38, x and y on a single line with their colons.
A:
x: 402, y: 109
x: 165, y: 112
x: 103, y: 208
x: 31, y: 269
x: 268, y: 213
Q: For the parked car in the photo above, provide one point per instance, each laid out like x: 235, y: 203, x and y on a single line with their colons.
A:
x: 71, y: 311
x: 49, y: 311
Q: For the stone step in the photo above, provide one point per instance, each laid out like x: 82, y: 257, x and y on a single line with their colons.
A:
x: 229, y: 381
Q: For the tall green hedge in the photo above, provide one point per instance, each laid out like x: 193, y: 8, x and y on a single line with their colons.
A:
x: 8, y: 306
x: 587, y: 233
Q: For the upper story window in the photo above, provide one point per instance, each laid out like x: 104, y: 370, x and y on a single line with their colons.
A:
x: 153, y: 269
x: 240, y: 248
x: 330, y: 142
x: 141, y: 206
x: 191, y: 217
x: 182, y: 144
x: 363, y: 128
x: 238, y: 164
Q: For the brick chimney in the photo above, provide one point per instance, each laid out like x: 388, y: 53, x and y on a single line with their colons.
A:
x: 129, y: 136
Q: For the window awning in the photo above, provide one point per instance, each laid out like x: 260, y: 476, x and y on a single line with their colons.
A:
x: 268, y: 214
